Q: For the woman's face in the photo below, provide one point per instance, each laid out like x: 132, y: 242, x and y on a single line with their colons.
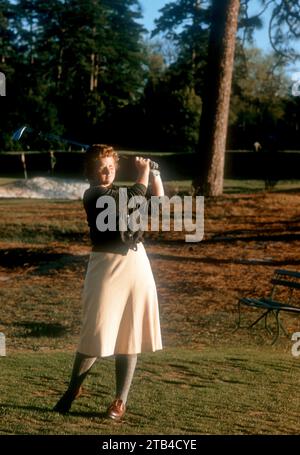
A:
x: 107, y: 171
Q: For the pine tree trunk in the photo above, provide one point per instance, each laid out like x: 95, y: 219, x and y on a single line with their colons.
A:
x: 216, y: 99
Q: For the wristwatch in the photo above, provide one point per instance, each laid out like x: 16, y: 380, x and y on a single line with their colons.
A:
x: 155, y: 172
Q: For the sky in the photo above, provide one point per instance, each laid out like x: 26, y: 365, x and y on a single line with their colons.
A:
x: 151, y: 11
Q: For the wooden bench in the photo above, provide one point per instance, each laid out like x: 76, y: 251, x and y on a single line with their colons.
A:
x: 284, y: 282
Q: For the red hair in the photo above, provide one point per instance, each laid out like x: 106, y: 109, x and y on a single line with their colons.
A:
x: 93, y: 156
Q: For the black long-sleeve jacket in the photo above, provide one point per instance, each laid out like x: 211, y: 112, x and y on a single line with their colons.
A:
x: 108, y: 241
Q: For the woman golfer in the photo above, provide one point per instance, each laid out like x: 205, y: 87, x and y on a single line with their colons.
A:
x: 120, y: 307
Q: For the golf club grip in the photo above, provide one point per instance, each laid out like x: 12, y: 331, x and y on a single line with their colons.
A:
x: 154, y: 165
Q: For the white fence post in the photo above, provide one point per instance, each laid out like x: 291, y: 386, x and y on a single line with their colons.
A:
x: 23, y: 159
x: 2, y: 345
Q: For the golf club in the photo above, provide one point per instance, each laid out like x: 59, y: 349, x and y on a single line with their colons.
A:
x: 20, y: 131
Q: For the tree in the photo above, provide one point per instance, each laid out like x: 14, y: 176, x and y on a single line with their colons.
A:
x: 76, y: 63
x: 260, y: 91
x: 214, y: 119
x: 7, y: 53
x: 172, y: 113
x: 173, y: 101
x: 283, y: 26
x: 95, y: 50
x: 216, y: 98
x: 5, y: 34
x: 186, y: 24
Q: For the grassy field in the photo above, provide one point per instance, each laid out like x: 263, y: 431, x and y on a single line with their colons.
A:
x: 209, y: 379
x: 216, y: 391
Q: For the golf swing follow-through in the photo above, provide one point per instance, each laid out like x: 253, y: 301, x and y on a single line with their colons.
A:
x: 120, y: 304
x: 18, y: 134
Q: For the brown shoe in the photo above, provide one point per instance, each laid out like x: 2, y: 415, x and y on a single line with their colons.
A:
x: 116, y: 410
x: 65, y: 402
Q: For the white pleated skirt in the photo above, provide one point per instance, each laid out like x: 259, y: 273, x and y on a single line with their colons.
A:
x: 120, y: 306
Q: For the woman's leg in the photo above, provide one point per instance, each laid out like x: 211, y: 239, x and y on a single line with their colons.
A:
x: 125, y: 367
x: 81, y: 367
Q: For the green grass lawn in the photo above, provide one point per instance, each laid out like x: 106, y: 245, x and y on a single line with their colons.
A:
x: 214, y: 391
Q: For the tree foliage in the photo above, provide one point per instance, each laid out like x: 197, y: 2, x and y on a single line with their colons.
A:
x: 83, y: 68
x: 284, y: 26
x: 75, y: 62
x: 186, y: 23
x: 260, y: 93
x: 253, y: 102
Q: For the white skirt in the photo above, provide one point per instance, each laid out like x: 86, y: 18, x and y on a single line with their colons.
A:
x: 120, y: 306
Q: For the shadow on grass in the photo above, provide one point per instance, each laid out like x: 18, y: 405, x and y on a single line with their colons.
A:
x: 260, y: 238
x: 40, y: 329
x: 27, y: 408
x: 43, y: 410
x: 217, y: 261
x: 16, y: 257
x: 223, y: 237
x: 40, y: 259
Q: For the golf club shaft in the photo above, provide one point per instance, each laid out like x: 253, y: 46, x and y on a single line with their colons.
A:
x: 20, y: 131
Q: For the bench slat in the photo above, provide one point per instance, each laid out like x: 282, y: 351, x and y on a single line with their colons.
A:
x: 287, y: 273
x: 270, y: 304
x: 290, y: 284
x: 281, y: 306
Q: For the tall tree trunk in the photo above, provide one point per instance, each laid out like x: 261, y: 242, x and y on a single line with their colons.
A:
x: 216, y: 99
